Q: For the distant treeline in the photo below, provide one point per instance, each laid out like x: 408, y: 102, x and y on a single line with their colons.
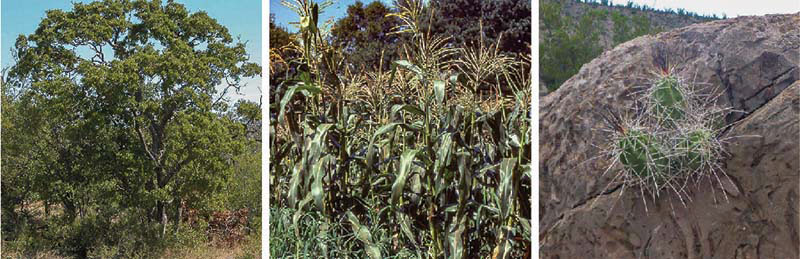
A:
x: 575, y: 32
x: 632, y: 5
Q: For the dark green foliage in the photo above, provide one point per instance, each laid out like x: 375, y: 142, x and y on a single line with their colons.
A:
x: 568, y: 42
x: 364, y: 34
x: 622, y: 30
x: 566, y: 45
x: 280, y: 41
x: 629, y: 27
x: 461, y: 19
x: 278, y: 36
x: 116, y: 114
x: 646, y: 8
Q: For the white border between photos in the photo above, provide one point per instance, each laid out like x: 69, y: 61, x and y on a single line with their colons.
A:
x: 265, y: 130
x: 535, y: 121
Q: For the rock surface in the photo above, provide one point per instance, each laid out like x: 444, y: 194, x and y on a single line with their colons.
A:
x: 755, y: 63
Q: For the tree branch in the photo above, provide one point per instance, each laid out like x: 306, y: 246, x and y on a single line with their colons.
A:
x: 144, y: 143
x: 189, y: 158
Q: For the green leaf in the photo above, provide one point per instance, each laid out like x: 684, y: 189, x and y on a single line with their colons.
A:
x: 405, y: 226
x: 526, y: 226
x: 406, y: 160
x: 439, y: 90
x: 371, y: 149
x: 317, y: 145
x: 452, y: 208
x: 456, y: 240
x: 294, y: 183
x: 506, y: 186
x: 407, y: 107
x: 316, y: 187
x: 300, y: 212
x: 393, y: 73
x: 373, y: 252
x: 464, y: 181
x: 310, y: 88
x: 410, y: 66
x: 363, y: 234
x: 384, y: 129
x: 458, y: 78
x: 514, y: 141
x: 443, y: 154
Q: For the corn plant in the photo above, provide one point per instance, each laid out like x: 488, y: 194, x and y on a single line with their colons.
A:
x: 413, y: 174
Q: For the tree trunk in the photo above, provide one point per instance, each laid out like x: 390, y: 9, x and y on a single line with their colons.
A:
x: 178, y: 215
x: 162, y: 210
x: 69, y: 207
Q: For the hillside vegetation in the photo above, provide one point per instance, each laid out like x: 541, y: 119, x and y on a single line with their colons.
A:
x: 572, y: 33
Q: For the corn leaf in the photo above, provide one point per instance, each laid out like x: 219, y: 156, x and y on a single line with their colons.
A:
x: 439, y: 91
x: 406, y: 160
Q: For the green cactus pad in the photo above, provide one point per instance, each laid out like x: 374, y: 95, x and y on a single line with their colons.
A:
x: 669, y: 102
x: 696, y: 148
x: 641, y: 154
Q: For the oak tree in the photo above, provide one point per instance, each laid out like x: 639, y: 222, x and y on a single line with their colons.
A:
x: 124, y: 104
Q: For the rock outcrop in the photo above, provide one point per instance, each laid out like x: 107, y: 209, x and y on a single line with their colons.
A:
x: 755, y: 63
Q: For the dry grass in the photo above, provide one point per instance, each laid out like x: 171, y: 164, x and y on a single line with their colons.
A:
x: 210, y: 251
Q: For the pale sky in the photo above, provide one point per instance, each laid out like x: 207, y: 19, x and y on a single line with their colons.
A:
x: 731, y: 8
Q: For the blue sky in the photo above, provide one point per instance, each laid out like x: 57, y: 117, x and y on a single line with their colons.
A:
x: 241, y: 17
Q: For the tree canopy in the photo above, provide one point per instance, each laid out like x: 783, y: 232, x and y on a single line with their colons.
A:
x: 462, y: 20
x: 119, y: 107
x: 365, y: 34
